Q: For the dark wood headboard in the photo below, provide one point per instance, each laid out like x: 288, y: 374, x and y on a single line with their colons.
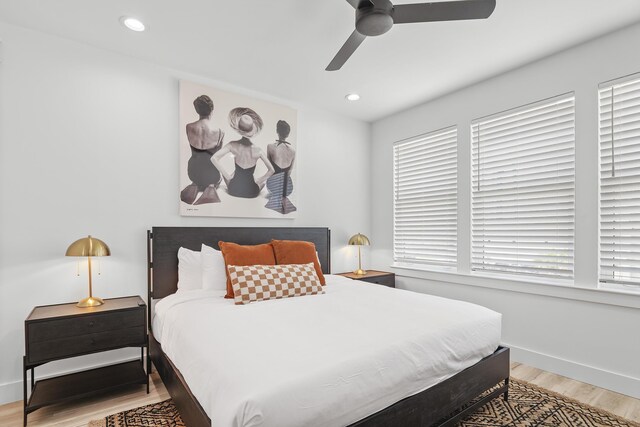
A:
x: 163, y: 244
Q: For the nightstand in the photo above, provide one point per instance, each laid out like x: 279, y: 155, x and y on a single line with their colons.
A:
x: 379, y: 277
x: 55, y: 332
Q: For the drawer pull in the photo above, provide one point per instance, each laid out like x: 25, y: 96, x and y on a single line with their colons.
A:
x: 91, y: 323
x: 93, y: 341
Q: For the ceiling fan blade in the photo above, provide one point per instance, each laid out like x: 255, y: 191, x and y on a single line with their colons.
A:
x: 346, y: 51
x: 443, y: 11
x: 354, y: 3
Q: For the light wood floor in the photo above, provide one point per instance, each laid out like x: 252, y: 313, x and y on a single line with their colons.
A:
x: 79, y: 414
x: 616, y: 403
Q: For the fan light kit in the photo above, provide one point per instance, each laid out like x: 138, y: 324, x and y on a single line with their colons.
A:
x: 352, y: 97
x: 132, y: 23
x: 376, y: 17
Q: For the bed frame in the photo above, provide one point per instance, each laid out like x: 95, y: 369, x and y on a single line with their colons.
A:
x: 444, y: 404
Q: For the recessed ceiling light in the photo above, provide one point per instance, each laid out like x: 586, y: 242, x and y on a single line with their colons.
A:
x: 352, y: 97
x: 132, y: 23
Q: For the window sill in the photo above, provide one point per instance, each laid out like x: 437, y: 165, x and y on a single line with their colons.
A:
x: 551, y: 288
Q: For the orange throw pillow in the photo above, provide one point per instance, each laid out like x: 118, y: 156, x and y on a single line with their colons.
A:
x: 297, y: 252
x: 235, y: 254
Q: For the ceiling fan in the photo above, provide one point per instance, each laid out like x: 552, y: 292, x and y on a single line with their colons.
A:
x: 376, y: 17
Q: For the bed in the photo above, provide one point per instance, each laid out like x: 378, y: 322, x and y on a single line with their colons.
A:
x: 399, y: 359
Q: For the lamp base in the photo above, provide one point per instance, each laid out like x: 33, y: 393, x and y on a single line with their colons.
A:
x: 360, y: 272
x: 90, y: 302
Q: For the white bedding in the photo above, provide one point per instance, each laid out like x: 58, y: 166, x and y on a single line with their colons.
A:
x: 320, y: 360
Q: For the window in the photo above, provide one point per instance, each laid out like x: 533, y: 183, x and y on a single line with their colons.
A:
x: 425, y: 199
x: 522, y: 207
x: 620, y: 181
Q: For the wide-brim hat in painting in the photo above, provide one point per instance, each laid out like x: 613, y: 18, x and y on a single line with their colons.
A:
x: 245, y: 121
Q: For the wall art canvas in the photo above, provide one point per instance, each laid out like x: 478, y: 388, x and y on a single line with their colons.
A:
x: 237, y: 155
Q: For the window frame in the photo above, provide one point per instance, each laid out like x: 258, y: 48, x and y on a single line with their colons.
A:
x: 611, y: 285
x: 473, y: 243
x: 453, y: 266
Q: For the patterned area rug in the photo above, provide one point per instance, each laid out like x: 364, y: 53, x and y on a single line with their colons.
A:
x: 161, y: 414
x: 533, y: 406
x: 528, y: 406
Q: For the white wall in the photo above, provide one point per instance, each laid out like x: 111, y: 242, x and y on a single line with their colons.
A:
x: 585, y: 333
x: 89, y: 144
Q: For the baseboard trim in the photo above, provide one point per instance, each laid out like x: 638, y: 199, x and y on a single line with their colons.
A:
x: 613, y: 381
x: 12, y: 391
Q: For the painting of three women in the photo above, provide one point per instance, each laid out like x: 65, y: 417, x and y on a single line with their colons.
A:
x: 237, y: 155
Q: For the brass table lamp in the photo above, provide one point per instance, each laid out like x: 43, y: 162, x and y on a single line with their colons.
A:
x: 89, y: 247
x: 359, y: 240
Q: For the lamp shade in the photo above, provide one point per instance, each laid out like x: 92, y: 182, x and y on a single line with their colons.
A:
x: 359, y: 240
x: 88, y: 246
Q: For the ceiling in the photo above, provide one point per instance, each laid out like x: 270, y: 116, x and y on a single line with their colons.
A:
x: 281, y: 47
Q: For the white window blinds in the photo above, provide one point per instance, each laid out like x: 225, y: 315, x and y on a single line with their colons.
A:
x: 522, y: 210
x: 620, y: 181
x: 425, y: 199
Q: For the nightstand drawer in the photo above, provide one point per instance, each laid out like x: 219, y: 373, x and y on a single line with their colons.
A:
x: 83, y: 325
x: 382, y: 280
x: 83, y: 344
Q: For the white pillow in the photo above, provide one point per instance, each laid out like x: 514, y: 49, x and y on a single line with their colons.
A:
x: 189, y: 270
x: 214, y: 273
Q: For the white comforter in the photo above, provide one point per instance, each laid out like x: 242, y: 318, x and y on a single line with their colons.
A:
x: 322, y: 360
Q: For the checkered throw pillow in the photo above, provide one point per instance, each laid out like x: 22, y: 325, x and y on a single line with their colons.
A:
x: 261, y: 282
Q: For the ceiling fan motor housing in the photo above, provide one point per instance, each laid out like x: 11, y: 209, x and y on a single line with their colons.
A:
x: 374, y: 20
